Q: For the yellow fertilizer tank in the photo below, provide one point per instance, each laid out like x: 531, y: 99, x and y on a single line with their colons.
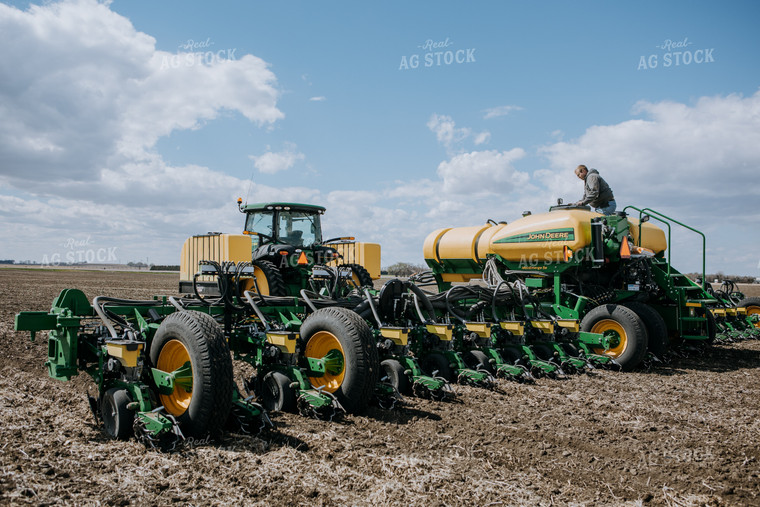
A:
x: 462, y: 251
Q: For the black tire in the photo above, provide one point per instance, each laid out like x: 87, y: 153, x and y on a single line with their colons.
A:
x: 473, y: 358
x: 276, y: 393
x: 268, y: 279
x: 657, y: 330
x: 752, y: 305
x: 633, y: 344
x: 394, y: 372
x: 206, y: 407
x: 361, y: 276
x: 117, y: 419
x: 436, y: 364
x: 325, y: 328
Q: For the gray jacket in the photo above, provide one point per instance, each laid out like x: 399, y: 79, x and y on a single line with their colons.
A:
x: 596, y: 192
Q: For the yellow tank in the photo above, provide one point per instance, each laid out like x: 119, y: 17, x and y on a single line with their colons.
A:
x: 458, y: 250
x: 542, y: 237
x: 461, y: 251
x: 212, y: 247
x: 652, y: 237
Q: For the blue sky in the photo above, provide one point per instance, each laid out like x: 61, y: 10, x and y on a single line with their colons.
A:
x: 113, y: 135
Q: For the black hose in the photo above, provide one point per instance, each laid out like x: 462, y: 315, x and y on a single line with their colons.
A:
x: 372, y: 307
x: 423, y: 297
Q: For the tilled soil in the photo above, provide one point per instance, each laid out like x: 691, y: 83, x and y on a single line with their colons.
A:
x: 682, y: 434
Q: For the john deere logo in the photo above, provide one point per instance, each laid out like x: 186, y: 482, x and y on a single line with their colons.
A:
x: 561, y: 236
x: 549, y: 235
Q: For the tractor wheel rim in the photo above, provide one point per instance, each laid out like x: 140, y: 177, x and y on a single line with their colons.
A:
x: 619, y: 340
x: 754, y: 310
x: 261, y: 281
x: 173, y: 356
x: 318, y: 346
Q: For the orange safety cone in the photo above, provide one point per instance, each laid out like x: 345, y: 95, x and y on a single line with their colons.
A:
x: 625, y: 249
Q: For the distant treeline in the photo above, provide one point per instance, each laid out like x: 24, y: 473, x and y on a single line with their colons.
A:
x: 7, y: 261
x: 403, y: 269
x: 711, y: 277
x: 154, y: 267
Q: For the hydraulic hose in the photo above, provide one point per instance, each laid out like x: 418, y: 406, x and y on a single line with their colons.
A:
x: 372, y: 306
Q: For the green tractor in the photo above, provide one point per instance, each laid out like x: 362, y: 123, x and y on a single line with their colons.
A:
x: 284, y: 242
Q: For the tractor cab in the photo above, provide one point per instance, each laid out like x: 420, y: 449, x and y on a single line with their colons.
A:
x: 288, y: 237
x: 286, y: 224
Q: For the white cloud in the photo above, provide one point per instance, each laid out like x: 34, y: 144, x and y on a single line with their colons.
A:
x: 682, y: 155
x: 84, y: 97
x: 447, y: 133
x: 482, y: 172
x: 318, y: 99
x: 83, y: 91
x: 495, y: 112
x: 482, y: 138
x: 273, y: 162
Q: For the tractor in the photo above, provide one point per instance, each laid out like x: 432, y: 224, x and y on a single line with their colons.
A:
x: 285, y: 245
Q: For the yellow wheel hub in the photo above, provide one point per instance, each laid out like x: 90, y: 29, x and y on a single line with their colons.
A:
x: 619, y: 337
x: 261, y: 282
x: 173, y: 356
x: 318, y: 346
x: 754, y: 310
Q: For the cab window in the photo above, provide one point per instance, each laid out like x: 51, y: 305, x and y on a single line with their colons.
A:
x: 260, y: 222
x: 298, y: 228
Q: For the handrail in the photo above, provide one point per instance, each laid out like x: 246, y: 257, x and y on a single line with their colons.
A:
x: 664, y: 219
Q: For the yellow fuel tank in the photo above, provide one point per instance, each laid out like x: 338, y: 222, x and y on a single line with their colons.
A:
x: 461, y: 251
x: 652, y: 237
x: 543, y: 236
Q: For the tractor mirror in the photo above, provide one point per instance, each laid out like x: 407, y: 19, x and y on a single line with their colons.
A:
x: 559, y: 201
x: 645, y: 218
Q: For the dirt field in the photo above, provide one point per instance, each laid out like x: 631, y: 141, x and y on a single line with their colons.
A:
x: 683, y: 434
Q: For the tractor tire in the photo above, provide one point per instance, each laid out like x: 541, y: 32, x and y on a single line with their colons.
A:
x: 631, y: 346
x: 340, y: 329
x: 117, y: 419
x: 657, y: 330
x: 394, y: 372
x: 195, y: 337
x: 473, y: 358
x: 276, y: 393
x: 360, y: 275
x: 268, y: 279
x: 437, y: 365
x: 752, y: 305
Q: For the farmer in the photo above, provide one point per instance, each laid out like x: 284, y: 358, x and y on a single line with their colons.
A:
x: 596, y: 192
